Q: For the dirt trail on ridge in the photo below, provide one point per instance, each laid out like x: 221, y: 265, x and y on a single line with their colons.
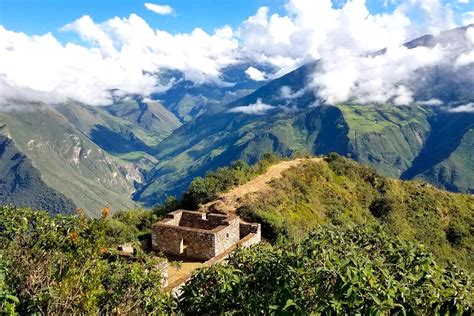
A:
x: 228, y: 202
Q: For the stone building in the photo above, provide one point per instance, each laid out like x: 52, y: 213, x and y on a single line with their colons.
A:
x: 201, y: 236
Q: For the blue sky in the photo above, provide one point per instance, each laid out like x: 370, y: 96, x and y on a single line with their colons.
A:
x: 42, y: 16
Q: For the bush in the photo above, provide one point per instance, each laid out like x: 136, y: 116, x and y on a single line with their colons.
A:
x: 67, y: 265
x: 171, y: 204
x: 8, y: 301
x: 334, y: 270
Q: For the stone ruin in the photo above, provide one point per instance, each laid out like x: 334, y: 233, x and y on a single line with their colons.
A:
x: 202, y: 236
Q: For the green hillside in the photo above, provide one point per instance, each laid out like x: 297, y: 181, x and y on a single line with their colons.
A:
x: 446, y: 159
x: 21, y: 183
x: 92, y: 156
x: 386, y: 137
x: 150, y: 116
x: 340, y: 191
x: 69, y: 162
x: 198, y: 146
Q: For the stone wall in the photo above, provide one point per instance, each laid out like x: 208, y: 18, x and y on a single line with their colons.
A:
x: 248, y: 228
x: 227, y: 236
x: 197, y: 244
x: 163, y: 266
x: 201, y: 236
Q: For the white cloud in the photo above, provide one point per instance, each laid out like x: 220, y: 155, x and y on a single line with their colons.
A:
x: 127, y: 54
x: 287, y: 93
x: 431, y: 102
x: 375, y: 78
x: 257, y: 108
x: 120, y: 53
x: 341, y: 37
x: 468, y: 18
x: 255, y: 74
x: 467, y: 58
x: 469, y: 107
x: 159, y: 9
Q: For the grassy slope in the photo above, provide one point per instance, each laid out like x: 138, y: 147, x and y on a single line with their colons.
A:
x: 456, y: 172
x: 69, y: 162
x: 387, y: 137
x: 346, y: 192
x: 395, y: 140
x: 152, y: 117
x: 446, y: 158
x: 21, y: 183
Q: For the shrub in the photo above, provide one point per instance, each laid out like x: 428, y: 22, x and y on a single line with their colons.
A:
x: 8, y: 301
x: 334, y: 270
x: 67, y: 265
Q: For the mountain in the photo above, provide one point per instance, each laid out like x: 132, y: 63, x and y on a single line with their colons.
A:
x: 188, y: 100
x: 84, y: 155
x: 78, y: 156
x: 138, y: 151
x: 429, y: 142
x: 21, y: 183
x: 151, y: 116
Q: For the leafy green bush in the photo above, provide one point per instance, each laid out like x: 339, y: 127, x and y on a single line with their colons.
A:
x: 333, y: 270
x: 171, y: 204
x: 8, y: 302
x: 126, y: 226
x: 67, y: 265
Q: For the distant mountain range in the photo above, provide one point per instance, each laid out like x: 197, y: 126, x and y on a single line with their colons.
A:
x: 139, y: 151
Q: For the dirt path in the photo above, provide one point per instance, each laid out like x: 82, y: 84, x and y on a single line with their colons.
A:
x: 185, y: 269
x: 229, y: 201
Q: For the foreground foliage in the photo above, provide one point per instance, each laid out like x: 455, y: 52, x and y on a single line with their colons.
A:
x: 67, y: 265
x: 332, y: 270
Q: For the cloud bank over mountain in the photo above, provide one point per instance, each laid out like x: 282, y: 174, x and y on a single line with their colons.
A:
x: 125, y: 55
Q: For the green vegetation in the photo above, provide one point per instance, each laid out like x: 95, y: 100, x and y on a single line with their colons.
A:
x: 340, y: 191
x: 334, y: 270
x: 446, y: 159
x: 207, y: 188
x: 151, y: 120
x: 198, y: 146
x: 346, y: 240
x: 364, y: 119
x: 68, y: 265
x: 67, y: 160
x: 21, y: 183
